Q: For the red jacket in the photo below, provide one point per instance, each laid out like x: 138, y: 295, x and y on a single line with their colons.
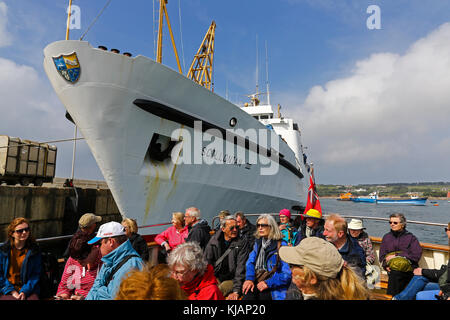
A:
x: 203, y: 287
x: 172, y: 236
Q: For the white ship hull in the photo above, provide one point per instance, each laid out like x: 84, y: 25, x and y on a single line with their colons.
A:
x: 102, y: 103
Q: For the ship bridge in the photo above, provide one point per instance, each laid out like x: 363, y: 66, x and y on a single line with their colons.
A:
x: 286, y: 128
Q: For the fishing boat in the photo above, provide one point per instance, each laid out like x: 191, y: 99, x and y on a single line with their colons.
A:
x: 164, y: 141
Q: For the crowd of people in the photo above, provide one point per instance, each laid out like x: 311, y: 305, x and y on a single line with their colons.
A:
x: 308, y: 258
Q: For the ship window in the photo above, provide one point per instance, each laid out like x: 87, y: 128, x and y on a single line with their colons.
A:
x: 160, y: 147
x: 265, y: 117
x: 256, y: 117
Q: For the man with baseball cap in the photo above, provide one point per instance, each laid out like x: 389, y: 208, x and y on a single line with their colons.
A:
x: 88, y: 222
x: 118, y: 257
x: 312, y: 225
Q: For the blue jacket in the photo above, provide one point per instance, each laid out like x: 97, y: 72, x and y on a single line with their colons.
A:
x: 354, y: 255
x: 101, y: 291
x: 30, y: 272
x: 281, y: 279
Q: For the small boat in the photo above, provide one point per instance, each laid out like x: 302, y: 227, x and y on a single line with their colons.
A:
x: 345, y: 196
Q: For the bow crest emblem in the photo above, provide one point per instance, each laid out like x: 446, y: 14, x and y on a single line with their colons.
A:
x: 68, y: 66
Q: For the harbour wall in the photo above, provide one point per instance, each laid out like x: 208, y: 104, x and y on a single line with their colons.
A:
x: 54, y: 210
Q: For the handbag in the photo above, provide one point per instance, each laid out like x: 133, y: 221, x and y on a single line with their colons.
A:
x: 399, y: 263
x: 262, y: 275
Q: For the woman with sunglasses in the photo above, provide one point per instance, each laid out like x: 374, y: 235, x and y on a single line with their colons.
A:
x: 20, y: 263
x: 399, y: 242
x: 267, y: 276
x: 428, y: 284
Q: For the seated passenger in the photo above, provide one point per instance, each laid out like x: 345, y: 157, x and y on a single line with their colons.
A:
x: 320, y: 273
x: 399, y: 242
x: 81, y: 268
x: 173, y: 236
x: 222, y: 214
x: 267, y: 277
x: 356, y: 231
x: 246, y: 228
x: 336, y: 232
x: 150, y: 283
x: 20, y: 263
x: 228, y: 253
x: 287, y: 230
x: 312, y: 225
x: 198, y: 228
x: 426, y: 284
x: 195, y: 275
x: 137, y: 242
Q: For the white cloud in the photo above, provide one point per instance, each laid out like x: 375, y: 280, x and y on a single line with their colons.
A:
x: 391, y: 113
x: 5, y: 37
x: 30, y: 109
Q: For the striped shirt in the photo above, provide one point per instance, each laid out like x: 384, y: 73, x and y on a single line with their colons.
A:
x: 76, y: 279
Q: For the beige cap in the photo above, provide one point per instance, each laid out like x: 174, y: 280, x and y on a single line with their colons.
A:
x: 317, y: 254
x: 87, y: 219
x: 355, y: 224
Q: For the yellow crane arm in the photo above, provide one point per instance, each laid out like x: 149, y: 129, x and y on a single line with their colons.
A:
x: 201, y: 67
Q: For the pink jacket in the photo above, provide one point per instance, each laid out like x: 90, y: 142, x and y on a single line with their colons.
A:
x: 172, y: 236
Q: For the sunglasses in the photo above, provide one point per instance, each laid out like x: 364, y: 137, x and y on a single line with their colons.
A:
x: 233, y: 227
x: 262, y: 225
x: 446, y: 229
x: 22, y: 230
x: 393, y: 222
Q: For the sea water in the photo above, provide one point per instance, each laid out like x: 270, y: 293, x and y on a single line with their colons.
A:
x: 427, y: 213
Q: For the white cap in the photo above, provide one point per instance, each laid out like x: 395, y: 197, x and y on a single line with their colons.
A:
x: 108, y: 230
x: 355, y: 224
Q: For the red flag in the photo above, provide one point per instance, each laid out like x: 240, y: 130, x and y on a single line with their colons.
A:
x: 313, y: 199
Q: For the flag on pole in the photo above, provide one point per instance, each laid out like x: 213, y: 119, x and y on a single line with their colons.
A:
x: 313, y: 199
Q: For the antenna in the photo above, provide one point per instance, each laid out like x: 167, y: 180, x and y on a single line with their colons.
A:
x: 267, y: 77
x: 257, y: 74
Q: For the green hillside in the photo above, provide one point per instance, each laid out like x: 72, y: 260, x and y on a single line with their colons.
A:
x: 428, y: 189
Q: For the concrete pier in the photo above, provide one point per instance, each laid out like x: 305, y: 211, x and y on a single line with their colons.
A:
x: 54, y: 210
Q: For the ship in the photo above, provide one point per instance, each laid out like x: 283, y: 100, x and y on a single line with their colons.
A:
x: 374, y: 198
x: 165, y: 142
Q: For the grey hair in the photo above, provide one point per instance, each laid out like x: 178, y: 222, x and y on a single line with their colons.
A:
x: 189, y: 255
x: 224, y: 220
x: 401, y: 216
x: 193, y: 212
x: 274, y: 233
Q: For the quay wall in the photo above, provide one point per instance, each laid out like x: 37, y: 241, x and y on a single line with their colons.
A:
x: 54, y: 210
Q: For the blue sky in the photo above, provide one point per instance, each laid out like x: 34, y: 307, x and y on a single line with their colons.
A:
x: 373, y: 105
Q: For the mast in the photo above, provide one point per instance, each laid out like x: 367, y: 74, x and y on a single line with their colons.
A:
x: 201, y: 67
x: 162, y: 13
x: 267, y: 78
x: 68, y: 19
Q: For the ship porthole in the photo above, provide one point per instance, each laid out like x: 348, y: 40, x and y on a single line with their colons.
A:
x: 233, y: 122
